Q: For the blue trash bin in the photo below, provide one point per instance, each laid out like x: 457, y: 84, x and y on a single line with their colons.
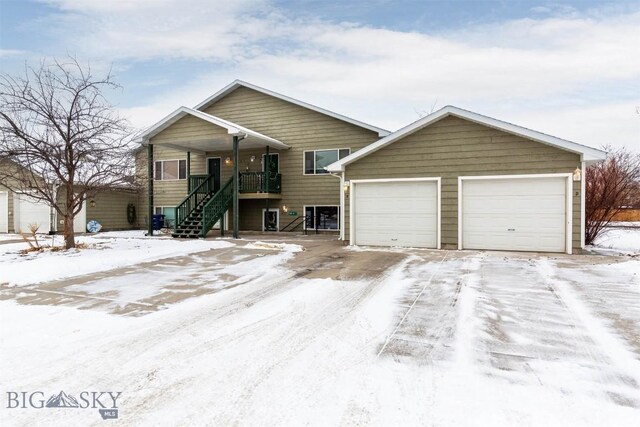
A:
x: 158, y: 222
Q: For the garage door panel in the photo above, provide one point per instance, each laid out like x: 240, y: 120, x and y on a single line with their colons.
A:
x: 31, y: 211
x: 4, y: 212
x: 526, y: 214
x: 495, y: 222
x: 396, y: 213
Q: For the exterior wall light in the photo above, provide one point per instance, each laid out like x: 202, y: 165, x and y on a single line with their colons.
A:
x: 347, y: 184
x: 577, y: 174
x: 252, y: 159
x: 285, y: 209
x: 92, y: 203
x: 227, y: 161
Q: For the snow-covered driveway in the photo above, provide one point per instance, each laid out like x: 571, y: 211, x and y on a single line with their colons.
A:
x: 332, y: 336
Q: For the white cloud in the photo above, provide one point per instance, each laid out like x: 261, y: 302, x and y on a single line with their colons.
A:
x: 553, y: 72
x: 10, y: 52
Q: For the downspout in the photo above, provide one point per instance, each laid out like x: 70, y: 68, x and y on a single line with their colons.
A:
x: 266, y: 188
x: 341, y: 177
x: 189, y: 172
x: 150, y: 189
x: 583, y: 196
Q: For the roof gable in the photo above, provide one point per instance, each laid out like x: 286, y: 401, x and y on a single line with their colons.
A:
x: 239, y: 83
x: 232, y: 128
x: 588, y: 154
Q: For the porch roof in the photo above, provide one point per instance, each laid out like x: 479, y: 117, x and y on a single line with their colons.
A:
x: 250, y: 138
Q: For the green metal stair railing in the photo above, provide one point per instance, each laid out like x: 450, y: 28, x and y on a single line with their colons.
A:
x: 215, y: 208
x: 194, y: 199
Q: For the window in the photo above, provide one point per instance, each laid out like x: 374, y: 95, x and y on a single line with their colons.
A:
x: 165, y: 170
x: 169, y: 213
x: 322, y: 217
x: 315, y: 161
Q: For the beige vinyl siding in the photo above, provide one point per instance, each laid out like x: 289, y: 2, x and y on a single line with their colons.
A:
x: 190, y: 129
x: 300, y: 128
x: 171, y: 193
x: 187, y: 129
x: 455, y: 147
x: 111, y: 209
x: 143, y: 182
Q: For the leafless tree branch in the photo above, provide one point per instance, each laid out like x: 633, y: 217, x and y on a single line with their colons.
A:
x: 59, y: 135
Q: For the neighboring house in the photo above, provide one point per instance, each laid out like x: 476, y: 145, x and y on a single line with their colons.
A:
x: 459, y: 180
x: 453, y: 179
x: 18, y: 211
x: 109, y: 207
x: 283, y: 146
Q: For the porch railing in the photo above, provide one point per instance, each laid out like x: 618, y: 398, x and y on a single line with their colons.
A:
x: 196, y: 196
x: 196, y: 180
x: 213, y: 211
x: 255, y: 182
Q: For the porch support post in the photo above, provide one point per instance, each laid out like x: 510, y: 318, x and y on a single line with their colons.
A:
x: 236, y: 201
x: 266, y: 187
x: 150, y: 188
x: 189, y: 171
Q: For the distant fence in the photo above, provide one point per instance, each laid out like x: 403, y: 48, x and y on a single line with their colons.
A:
x: 628, y: 214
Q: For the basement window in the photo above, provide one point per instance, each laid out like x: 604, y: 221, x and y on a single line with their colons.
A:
x: 169, y: 213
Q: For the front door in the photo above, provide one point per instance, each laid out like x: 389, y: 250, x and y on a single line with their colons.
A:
x: 213, y: 168
x: 272, y: 167
x: 270, y: 220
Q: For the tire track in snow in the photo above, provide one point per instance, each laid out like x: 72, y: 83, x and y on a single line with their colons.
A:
x: 607, y: 342
x: 431, y: 315
x: 306, y: 333
x: 395, y: 330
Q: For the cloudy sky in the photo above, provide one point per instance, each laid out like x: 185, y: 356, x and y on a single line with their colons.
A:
x: 568, y: 68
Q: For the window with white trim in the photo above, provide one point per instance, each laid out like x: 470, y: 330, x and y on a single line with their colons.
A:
x: 322, y: 217
x: 167, y: 170
x: 316, y: 161
x: 169, y: 212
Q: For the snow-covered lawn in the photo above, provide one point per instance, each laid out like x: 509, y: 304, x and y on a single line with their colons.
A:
x: 621, y: 237
x: 440, y: 338
x: 106, y: 251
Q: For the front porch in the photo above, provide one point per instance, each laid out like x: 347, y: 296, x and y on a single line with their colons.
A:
x: 231, y: 163
x: 251, y: 185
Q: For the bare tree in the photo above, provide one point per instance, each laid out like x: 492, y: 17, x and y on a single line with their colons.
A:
x: 610, y: 185
x: 60, y: 139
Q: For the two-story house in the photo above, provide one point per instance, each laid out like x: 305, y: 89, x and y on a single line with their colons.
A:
x: 453, y: 179
x: 282, y: 149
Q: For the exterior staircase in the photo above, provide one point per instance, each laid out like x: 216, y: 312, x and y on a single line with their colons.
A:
x: 202, y: 209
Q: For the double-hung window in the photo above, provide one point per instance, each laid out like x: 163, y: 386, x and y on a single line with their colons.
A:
x: 167, y: 170
x: 316, y: 161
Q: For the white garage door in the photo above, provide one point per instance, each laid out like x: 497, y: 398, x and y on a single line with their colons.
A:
x: 522, y: 214
x: 4, y: 212
x: 80, y: 220
x: 30, y: 211
x: 396, y: 213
